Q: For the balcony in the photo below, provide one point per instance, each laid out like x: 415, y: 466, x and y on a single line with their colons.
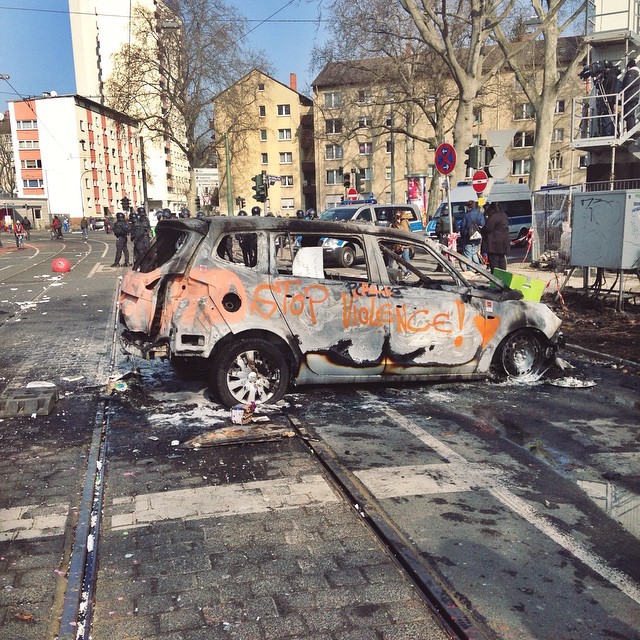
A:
x: 598, y: 120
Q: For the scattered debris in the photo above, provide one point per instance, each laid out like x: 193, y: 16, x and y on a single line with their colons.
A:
x: 24, y: 617
x: 244, y: 433
x: 572, y: 383
x: 73, y: 378
x: 243, y: 414
x: 33, y: 401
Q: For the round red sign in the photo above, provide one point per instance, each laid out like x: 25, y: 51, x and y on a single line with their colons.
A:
x: 352, y: 194
x: 445, y: 158
x: 479, y: 181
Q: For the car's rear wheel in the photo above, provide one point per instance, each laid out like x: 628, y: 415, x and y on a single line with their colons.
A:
x: 347, y: 256
x: 250, y: 370
x: 521, y: 355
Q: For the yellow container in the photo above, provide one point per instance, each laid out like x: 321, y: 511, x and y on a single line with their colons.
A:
x: 531, y: 288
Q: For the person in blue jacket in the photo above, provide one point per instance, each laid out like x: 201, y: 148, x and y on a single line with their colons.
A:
x: 470, y: 232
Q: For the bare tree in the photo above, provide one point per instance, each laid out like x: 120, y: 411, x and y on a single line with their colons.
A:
x: 381, y: 48
x: 458, y: 33
x: 180, y: 57
x: 7, y: 170
x: 543, y: 82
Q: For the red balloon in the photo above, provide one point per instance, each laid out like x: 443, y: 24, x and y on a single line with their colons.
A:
x: 61, y: 265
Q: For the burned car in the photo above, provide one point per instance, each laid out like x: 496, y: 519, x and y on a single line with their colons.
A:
x: 253, y: 301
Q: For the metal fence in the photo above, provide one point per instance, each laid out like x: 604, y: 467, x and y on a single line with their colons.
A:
x: 551, y: 208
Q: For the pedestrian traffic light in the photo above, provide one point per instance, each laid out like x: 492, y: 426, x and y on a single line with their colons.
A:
x: 473, y: 161
x: 259, y: 187
x: 125, y: 204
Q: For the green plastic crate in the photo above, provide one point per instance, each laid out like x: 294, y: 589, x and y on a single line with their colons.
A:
x: 531, y: 288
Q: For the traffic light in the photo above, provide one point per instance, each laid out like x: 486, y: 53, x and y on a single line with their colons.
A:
x: 358, y: 181
x: 489, y: 155
x: 260, y: 187
x: 346, y: 179
x: 198, y: 202
x: 473, y: 161
x: 125, y: 204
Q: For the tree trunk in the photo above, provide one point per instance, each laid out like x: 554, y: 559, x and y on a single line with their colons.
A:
x: 463, y: 130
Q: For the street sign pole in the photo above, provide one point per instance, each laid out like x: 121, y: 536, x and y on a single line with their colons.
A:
x: 445, y: 159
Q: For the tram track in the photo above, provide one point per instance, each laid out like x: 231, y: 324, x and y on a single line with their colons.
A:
x: 79, y: 598
x: 442, y: 605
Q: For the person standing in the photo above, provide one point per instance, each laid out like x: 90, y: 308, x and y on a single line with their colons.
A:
x: 84, y: 227
x: 121, y: 231
x: 400, y: 222
x: 495, y: 237
x: 19, y: 233
x: 470, y: 232
x: 56, y: 225
x: 630, y: 88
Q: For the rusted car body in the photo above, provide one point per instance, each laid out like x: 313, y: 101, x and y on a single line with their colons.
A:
x: 252, y: 299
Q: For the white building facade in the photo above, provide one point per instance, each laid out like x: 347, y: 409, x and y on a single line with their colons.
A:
x: 78, y: 155
x: 99, y: 29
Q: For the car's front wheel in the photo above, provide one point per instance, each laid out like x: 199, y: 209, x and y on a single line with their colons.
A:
x: 250, y: 370
x: 521, y: 355
x: 347, y: 256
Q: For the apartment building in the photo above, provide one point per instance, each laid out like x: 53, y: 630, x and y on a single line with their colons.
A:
x: 372, y: 138
x: 99, y: 30
x: 265, y: 127
x: 78, y: 155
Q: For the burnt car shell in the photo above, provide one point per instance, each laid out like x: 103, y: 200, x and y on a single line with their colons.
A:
x: 313, y: 323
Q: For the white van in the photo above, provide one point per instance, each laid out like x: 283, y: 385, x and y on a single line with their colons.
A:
x: 514, y: 199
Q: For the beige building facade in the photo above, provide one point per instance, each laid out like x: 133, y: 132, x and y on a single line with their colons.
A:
x: 265, y: 127
x: 369, y: 140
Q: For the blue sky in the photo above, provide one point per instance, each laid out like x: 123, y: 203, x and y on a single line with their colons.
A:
x: 35, y: 42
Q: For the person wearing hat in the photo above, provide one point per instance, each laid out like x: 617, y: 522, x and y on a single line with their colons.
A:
x: 630, y: 89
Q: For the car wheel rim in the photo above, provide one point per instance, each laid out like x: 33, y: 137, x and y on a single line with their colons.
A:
x: 252, y: 377
x: 522, y: 356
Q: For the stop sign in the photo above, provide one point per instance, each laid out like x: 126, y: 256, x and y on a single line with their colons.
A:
x: 479, y: 181
x: 352, y: 194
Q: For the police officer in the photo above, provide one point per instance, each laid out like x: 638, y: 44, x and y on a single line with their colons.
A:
x: 121, y: 231
x: 145, y: 238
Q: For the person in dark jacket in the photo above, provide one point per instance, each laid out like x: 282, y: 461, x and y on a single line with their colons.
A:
x: 495, y: 236
x: 121, y: 231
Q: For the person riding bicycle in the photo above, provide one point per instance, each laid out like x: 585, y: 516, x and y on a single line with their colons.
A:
x: 19, y: 232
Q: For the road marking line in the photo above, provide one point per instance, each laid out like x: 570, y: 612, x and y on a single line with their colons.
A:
x: 413, y: 480
x: 221, y: 501
x: 23, y: 523
x: 484, y: 476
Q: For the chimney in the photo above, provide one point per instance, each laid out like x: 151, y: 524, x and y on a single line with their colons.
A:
x: 293, y: 82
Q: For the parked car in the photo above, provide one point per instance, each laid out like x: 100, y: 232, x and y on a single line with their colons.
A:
x: 345, y: 254
x: 253, y: 300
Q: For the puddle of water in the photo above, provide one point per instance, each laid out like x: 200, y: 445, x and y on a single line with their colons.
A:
x: 622, y: 505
